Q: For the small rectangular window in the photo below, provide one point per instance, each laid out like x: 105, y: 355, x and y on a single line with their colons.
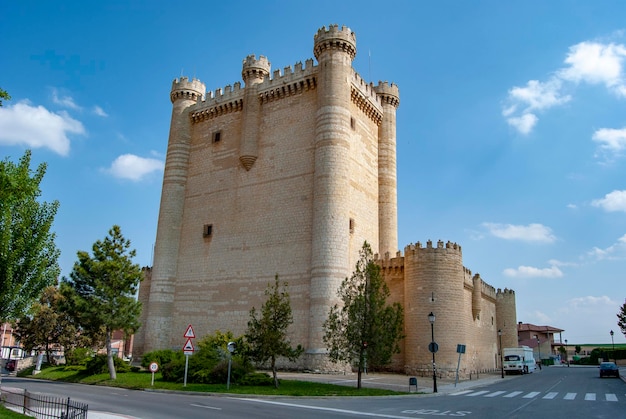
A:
x: 352, y: 123
x: 217, y: 136
x: 207, y: 230
x: 351, y: 225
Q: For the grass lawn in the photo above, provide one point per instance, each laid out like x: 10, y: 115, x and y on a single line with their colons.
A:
x: 9, y: 414
x: 142, y: 380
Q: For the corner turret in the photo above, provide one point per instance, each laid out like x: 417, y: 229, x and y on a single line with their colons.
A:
x: 388, y: 93
x: 255, y: 71
x: 184, y: 89
x: 334, y: 38
x: 389, y: 97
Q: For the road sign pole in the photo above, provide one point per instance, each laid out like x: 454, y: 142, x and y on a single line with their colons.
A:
x: 186, y: 366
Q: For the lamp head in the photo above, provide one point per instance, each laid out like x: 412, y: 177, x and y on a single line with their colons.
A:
x: 431, y: 318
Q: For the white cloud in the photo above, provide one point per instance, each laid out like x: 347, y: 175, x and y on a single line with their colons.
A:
x: 99, y: 111
x: 610, y: 140
x: 65, y: 101
x: 586, y: 62
x: 539, y: 318
x: 613, y: 201
x: 537, y: 95
x: 591, y: 303
x: 532, y: 272
x: 129, y: 166
x: 524, y: 124
x: 614, y: 252
x: 596, y: 63
x: 531, y: 232
x: 35, y: 126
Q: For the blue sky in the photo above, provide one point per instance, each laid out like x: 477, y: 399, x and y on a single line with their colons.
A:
x: 511, y: 128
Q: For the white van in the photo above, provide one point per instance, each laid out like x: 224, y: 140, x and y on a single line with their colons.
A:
x: 518, y: 360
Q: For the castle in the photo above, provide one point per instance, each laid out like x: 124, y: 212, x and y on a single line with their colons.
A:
x: 290, y: 175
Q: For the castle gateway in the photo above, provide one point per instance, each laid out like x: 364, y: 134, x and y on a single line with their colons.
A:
x: 289, y: 175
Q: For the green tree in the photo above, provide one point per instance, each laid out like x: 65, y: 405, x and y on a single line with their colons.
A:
x: 267, y: 335
x: 577, y: 349
x: 4, y: 96
x: 621, y: 318
x: 47, y: 326
x: 364, y: 329
x: 28, y: 255
x: 101, y: 290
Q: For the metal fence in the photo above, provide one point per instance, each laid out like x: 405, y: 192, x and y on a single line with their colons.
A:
x: 42, y: 406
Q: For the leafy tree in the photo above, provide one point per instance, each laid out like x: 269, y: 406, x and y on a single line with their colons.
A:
x: 102, y: 289
x: 28, y: 255
x: 621, y: 318
x: 47, y: 326
x: 577, y: 349
x: 364, y: 329
x: 4, y: 96
x: 267, y: 335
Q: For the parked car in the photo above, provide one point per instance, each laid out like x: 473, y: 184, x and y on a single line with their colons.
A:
x: 10, y: 365
x: 609, y: 369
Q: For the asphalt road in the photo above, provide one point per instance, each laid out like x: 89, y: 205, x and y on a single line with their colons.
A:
x: 556, y: 392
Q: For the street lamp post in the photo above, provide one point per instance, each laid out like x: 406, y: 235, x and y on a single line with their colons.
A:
x: 539, y: 349
x: 433, y: 348
x: 501, y: 362
x: 613, y: 342
x: 566, y: 356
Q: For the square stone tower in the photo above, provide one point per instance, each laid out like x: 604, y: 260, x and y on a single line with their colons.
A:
x: 286, y: 175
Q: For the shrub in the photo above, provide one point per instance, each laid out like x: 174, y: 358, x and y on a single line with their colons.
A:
x: 78, y: 356
x: 209, y: 365
x: 173, y: 371
x: 98, y: 365
x: 161, y: 357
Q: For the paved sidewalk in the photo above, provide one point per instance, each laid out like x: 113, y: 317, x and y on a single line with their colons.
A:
x: 396, y: 382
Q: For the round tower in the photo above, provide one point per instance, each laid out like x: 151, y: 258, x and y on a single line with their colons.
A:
x: 334, y: 49
x: 183, y: 95
x: 253, y: 73
x: 434, y: 282
x: 506, y: 317
x: 389, y: 96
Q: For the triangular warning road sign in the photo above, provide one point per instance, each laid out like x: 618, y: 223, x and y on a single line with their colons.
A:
x: 188, y: 346
x: 189, y: 332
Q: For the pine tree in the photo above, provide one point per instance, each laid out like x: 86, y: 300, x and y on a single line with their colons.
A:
x: 364, y: 330
x: 102, y: 289
x: 267, y: 335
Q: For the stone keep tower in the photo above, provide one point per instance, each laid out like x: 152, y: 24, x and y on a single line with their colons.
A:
x: 286, y: 175
x: 289, y: 175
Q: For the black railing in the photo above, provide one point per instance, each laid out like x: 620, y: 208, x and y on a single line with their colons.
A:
x: 42, y: 406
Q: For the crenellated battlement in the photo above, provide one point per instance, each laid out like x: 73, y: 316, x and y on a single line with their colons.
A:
x: 364, y: 97
x: 388, y: 93
x: 505, y: 293
x: 291, y: 82
x: 254, y: 69
x: 219, y: 102
x: 449, y: 247
x: 334, y: 38
x: 184, y: 89
x: 488, y: 291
